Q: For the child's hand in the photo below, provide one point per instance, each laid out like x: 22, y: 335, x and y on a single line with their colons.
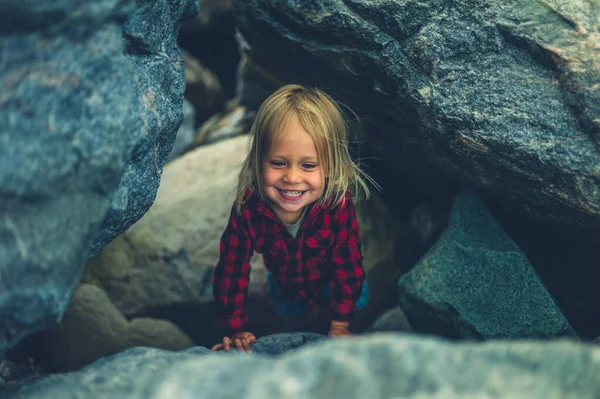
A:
x: 339, y: 329
x: 241, y: 341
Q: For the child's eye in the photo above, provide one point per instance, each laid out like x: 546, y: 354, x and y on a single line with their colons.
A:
x: 309, y: 166
x: 276, y: 163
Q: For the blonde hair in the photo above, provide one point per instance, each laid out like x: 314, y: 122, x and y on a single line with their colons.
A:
x: 322, y: 118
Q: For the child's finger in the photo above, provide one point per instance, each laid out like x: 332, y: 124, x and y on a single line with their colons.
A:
x: 227, y: 344
x: 239, y: 344
x: 246, y: 343
x: 217, y: 347
x: 243, y: 345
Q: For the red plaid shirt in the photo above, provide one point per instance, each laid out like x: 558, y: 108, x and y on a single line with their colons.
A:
x: 326, y: 250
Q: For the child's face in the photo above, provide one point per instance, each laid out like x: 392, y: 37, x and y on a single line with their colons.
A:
x: 292, y: 177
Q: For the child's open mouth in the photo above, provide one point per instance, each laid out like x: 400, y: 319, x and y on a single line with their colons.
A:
x: 291, y: 194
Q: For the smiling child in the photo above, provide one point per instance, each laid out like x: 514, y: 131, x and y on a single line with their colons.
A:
x: 294, y: 206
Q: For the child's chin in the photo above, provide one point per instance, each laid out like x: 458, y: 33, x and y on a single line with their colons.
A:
x: 291, y: 208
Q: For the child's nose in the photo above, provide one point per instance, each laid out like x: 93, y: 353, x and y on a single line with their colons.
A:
x: 293, y: 175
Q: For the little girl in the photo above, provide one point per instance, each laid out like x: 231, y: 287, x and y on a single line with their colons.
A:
x: 293, y: 206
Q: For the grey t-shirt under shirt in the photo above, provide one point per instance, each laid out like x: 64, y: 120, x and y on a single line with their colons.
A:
x: 293, y: 228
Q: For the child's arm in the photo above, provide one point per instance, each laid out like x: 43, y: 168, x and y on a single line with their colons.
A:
x: 230, y: 283
x: 349, y: 275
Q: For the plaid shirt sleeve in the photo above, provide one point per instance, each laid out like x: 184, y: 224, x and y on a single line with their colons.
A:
x: 232, y: 274
x: 347, y: 258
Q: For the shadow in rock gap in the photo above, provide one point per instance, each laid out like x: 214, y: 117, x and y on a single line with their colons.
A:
x: 365, y: 317
x: 200, y: 323
x: 210, y: 37
x: 66, y: 347
x: 39, y: 351
x: 15, y: 368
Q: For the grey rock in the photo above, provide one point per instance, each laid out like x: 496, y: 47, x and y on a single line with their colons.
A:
x: 253, y: 84
x: 500, y: 94
x: 185, y: 134
x: 278, y: 344
x: 89, y: 121
x: 378, y: 366
x: 391, y: 320
x: 150, y: 40
x: 476, y: 283
x: 233, y: 121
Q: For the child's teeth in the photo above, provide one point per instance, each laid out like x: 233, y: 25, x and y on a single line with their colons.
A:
x: 292, y: 193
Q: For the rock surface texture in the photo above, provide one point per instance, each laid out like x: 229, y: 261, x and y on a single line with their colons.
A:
x: 503, y: 95
x: 379, y: 366
x: 475, y: 283
x: 91, y: 101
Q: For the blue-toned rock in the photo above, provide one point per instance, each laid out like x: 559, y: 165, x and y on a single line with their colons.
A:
x: 475, y: 282
x: 500, y: 94
x: 91, y: 101
x: 377, y: 366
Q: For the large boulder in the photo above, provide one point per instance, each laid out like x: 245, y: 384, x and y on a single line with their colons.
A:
x: 476, y: 283
x: 379, y: 366
x: 158, y: 74
x: 500, y: 94
x: 91, y: 99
